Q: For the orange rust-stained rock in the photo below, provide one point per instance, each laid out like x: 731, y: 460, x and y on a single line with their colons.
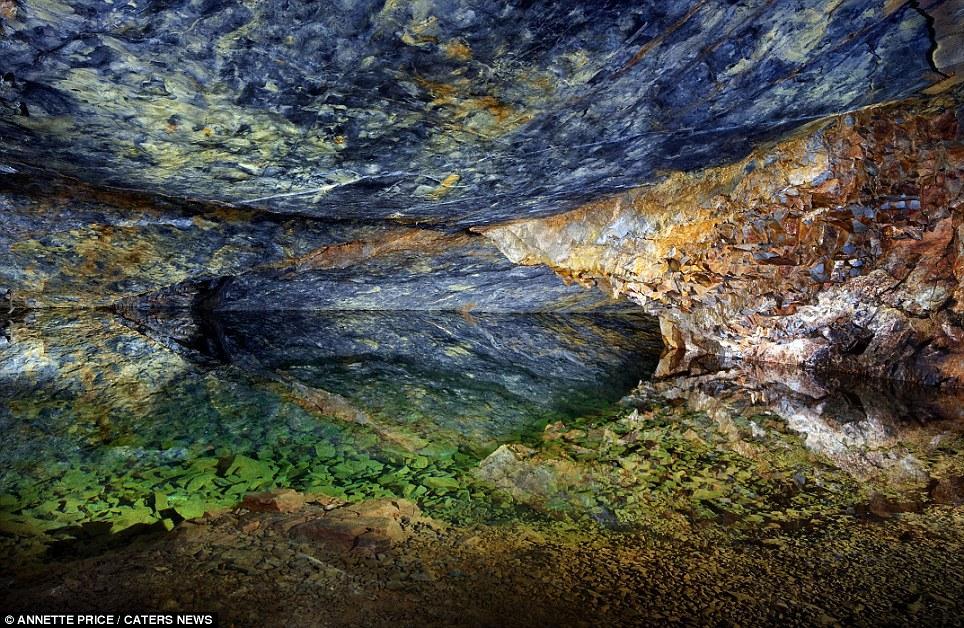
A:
x: 282, y: 500
x: 372, y: 526
x: 8, y: 9
x: 840, y: 247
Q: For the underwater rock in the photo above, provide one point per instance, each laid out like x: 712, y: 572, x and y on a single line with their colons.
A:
x: 949, y: 490
x: 439, y: 367
x: 506, y: 468
x: 351, y: 405
x: 871, y: 429
x: 98, y: 375
x: 743, y: 446
x: 839, y: 248
x: 281, y: 500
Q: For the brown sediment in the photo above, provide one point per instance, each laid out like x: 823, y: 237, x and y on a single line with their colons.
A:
x: 314, y: 566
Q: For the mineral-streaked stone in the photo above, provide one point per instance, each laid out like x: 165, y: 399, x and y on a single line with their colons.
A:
x: 76, y: 246
x: 870, y: 430
x: 402, y: 269
x: 460, y: 112
x: 310, y: 156
x: 838, y: 247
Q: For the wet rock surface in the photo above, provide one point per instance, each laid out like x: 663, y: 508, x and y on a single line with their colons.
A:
x: 316, y: 314
x: 283, y: 500
x: 872, y: 429
x: 454, y: 112
x: 715, y: 494
x: 755, y: 454
x: 838, y: 248
x: 366, y: 527
x: 109, y: 426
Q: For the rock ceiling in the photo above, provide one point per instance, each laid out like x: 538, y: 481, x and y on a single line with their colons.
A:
x: 451, y: 112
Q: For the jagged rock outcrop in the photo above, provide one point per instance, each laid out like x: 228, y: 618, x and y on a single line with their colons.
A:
x: 840, y: 247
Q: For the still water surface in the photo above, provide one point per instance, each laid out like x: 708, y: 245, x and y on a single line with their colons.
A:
x: 119, y: 423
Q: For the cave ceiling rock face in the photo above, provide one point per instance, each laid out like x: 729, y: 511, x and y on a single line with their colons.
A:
x: 839, y: 247
x: 450, y: 112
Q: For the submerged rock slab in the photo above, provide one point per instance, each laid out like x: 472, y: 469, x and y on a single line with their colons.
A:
x: 458, y: 112
x: 110, y: 427
x: 743, y: 446
x: 479, y: 375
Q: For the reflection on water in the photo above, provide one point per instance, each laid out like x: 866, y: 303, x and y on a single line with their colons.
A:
x: 112, y: 422
x: 135, y: 420
x: 865, y: 426
x: 483, y: 377
x: 757, y: 449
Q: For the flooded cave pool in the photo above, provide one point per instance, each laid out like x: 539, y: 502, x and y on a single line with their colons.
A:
x: 542, y: 451
x: 112, y: 422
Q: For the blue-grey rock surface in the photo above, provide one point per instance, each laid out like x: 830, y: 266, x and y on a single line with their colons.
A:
x: 87, y: 386
x: 460, y: 273
x: 69, y: 246
x: 231, y: 155
x: 446, y: 111
x: 477, y: 372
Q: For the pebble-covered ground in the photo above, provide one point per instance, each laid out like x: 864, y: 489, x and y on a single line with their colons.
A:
x: 249, y: 569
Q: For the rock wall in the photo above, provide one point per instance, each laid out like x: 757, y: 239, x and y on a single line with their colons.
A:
x: 839, y: 247
x: 244, y: 155
x: 68, y: 245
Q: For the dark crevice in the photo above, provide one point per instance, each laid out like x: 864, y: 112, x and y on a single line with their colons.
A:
x: 931, y: 34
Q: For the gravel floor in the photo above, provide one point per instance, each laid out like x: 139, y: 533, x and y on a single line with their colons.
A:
x: 251, y: 570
